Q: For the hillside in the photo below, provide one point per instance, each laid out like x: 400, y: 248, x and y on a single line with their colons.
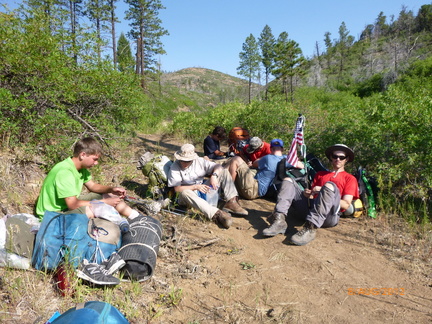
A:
x: 208, y: 87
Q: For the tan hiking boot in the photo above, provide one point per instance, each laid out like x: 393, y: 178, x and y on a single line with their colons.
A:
x: 305, y: 235
x: 278, y: 226
x: 232, y: 206
x: 222, y: 218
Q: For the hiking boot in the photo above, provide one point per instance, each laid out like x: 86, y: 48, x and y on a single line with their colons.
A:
x: 233, y: 206
x: 279, y: 225
x: 305, y: 235
x: 222, y: 218
x: 113, y: 264
x: 95, y: 273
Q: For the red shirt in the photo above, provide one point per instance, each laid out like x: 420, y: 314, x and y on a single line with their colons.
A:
x: 346, y: 182
x: 262, y: 151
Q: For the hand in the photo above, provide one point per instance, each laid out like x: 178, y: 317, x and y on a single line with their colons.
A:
x: 112, y: 200
x: 214, y: 183
x: 202, y: 188
x: 119, y: 191
x: 299, y: 165
x: 316, y: 190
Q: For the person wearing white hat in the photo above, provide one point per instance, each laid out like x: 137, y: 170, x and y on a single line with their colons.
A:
x: 187, y: 175
x: 332, y: 192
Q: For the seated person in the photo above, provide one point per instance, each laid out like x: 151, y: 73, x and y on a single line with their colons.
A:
x: 254, y: 150
x: 250, y: 154
x: 187, y: 177
x: 332, y: 192
x: 254, y: 183
x: 62, y: 186
x: 212, y: 144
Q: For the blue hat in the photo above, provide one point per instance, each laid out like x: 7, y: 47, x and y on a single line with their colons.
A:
x: 276, y: 143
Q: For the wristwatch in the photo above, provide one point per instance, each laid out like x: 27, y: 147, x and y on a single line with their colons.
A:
x: 215, y: 174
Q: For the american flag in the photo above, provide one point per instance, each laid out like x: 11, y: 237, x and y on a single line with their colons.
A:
x: 297, y: 140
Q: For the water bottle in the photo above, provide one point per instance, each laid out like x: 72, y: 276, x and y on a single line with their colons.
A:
x: 124, y: 225
x: 212, y: 197
x: 105, y: 211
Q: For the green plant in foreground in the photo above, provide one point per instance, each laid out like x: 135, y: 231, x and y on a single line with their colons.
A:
x: 233, y: 251
x: 172, y: 298
x: 247, y: 265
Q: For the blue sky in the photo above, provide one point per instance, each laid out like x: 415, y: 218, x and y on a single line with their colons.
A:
x: 210, y: 33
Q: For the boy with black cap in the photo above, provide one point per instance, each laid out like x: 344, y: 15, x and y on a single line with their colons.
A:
x: 332, y: 192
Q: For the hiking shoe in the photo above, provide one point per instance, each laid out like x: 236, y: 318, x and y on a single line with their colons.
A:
x: 233, y: 206
x: 279, y: 225
x: 222, y: 218
x: 305, y: 235
x: 95, y: 273
x: 113, y: 264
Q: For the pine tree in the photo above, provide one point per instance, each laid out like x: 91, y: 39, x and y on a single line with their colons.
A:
x: 125, y: 58
x: 288, y: 63
x: 147, y: 31
x: 267, y: 43
x: 112, y: 22
x: 424, y: 18
x: 342, y: 46
x: 98, y: 12
x: 63, y: 18
x: 249, y: 61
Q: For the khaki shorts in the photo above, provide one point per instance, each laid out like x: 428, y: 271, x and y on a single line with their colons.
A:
x: 246, y: 184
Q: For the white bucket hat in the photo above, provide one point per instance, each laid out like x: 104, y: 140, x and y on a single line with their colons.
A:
x: 186, y: 153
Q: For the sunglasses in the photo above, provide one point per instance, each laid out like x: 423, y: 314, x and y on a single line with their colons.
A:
x: 340, y: 157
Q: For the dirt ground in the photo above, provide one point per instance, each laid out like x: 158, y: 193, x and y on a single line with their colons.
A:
x: 359, y: 271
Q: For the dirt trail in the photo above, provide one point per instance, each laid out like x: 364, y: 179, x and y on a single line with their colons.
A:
x: 245, y: 278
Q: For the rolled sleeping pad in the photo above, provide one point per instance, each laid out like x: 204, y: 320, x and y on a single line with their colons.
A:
x: 140, y: 247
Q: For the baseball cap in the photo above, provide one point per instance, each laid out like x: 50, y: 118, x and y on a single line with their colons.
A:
x: 276, y: 143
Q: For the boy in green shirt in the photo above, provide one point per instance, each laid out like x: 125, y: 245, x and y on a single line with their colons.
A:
x: 62, y: 187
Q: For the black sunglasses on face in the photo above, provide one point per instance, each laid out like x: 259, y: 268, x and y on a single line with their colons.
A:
x: 340, y: 157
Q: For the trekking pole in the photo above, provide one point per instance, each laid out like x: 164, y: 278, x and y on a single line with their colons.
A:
x: 139, y: 201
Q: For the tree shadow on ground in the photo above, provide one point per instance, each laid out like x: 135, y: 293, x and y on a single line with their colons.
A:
x: 138, y: 189
x: 161, y: 146
x: 258, y: 220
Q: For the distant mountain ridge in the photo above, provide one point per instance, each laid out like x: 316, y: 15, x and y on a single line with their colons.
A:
x: 208, y: 87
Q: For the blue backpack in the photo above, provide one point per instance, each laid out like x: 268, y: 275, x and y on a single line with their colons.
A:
x: 94, y: 312
x: 71, y: 238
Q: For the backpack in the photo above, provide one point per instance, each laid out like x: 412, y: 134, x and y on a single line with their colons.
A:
x: 238, y: 138
x: 95, y: 312
x: 300, y: 176
x: 368, y: 191
x: 71, y: 238
x: 156, y: 169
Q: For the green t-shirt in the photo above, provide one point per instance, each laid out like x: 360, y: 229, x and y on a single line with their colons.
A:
x: 64, y: 180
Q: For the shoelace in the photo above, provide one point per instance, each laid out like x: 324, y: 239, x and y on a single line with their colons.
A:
x: 304, y: 230
x: 95, y: 268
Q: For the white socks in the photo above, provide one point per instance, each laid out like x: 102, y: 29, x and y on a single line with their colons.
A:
x: 133, y: 214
